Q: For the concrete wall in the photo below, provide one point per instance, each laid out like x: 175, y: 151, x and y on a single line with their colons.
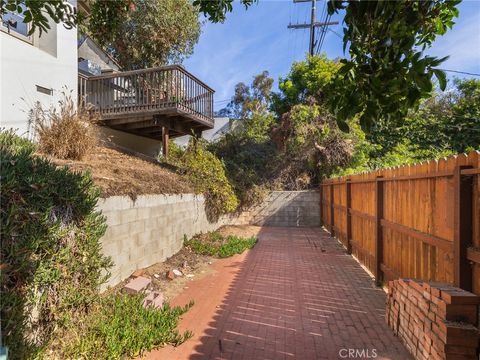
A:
x: 132, y: 142
x: 49, y: 61
x: 149, y: 230
x: 286, y: 208
x: 152, y: 228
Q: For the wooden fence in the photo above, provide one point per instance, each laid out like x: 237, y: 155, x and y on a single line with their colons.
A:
x: 420, y: 221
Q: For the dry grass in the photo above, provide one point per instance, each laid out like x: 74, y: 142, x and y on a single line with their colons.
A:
x: 120, y: 174
x: 67, y: 132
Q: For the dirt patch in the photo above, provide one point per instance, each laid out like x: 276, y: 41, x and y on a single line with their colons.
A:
x: 117, y: 173
x: 192, y: 266
x: 244, y: 231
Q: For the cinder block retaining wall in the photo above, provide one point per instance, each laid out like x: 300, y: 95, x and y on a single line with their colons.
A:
x: 286, y: 208
x: 151, y: 229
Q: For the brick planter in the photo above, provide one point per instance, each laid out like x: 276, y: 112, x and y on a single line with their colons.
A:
x: 434, y: 321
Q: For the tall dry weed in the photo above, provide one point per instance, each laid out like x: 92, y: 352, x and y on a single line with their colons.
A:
x: 65, y: 131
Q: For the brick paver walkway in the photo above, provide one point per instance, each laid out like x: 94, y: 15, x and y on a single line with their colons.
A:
x: 296, y: 295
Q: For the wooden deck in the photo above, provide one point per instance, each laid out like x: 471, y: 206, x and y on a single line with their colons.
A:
x: 157, y: 103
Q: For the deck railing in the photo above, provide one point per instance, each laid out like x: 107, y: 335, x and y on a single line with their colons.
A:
x: 130, y: 92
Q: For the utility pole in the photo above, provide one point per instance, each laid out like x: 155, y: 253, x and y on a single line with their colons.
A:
x: 312, y: 27
x: 313, y: 24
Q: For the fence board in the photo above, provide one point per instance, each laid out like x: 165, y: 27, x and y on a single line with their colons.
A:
x: 417, y: 224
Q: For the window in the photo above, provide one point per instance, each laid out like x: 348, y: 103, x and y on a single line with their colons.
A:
x: 12, y: 23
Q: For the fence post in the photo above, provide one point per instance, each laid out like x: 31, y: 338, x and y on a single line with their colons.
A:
x: 348, y: 185
x: 378, y: 230
x: 463, y: 227
x: 332, y: 221
x: 321, y: 203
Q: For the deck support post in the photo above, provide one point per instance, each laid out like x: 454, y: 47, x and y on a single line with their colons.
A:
x: 348, y: 189
x: 463, y: 227
x: 378, y: 230
x: 165, y: 142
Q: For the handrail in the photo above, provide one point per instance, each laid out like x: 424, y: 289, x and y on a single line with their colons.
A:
x: 149, y: 70
x: 166, y: 87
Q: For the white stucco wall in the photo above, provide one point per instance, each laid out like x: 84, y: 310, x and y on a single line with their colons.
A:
x: 51, y: 62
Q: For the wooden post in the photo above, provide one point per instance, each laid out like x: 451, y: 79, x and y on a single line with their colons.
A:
x: 165, y: 142
x: 378, y: 230
x: 332, y: 221
x: 321, y: 203
x: 348, y: 186
x: 463, y: 227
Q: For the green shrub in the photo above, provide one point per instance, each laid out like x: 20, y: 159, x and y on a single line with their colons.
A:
x: 51, y: 258
x: 120, y: 326
x: 248, y: 164
x: 215, y: 244
x: 207, y: 175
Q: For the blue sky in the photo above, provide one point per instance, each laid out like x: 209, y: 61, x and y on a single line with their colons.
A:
x: 257, y: 39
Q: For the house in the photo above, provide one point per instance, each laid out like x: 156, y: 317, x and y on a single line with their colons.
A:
x: 222, y: 126
x: 92, y: 59
x: 140, y: 109
x: 33, y: 69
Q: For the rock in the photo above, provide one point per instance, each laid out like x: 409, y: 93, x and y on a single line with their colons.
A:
x: 156, y: 276
x: 170, y: 275
x: 154, y: 299
x: 209, y: 263
x: 185, y: 264
x: 138, y: 272
x: 177, y: 272
x: 189, y: 275
x: 138, y: 284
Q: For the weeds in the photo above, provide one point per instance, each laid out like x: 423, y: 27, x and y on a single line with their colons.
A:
x: 66, y: 133
x: 121, y: 327
x: 215, y: 244
x: 207, y: 175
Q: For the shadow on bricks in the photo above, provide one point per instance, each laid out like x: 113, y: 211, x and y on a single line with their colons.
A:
x: 297, y: 295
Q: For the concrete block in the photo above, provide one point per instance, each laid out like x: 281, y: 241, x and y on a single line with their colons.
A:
x: 128, y: 215
x: 136, y: 285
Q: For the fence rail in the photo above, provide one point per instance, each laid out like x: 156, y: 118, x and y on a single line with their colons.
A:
x: 420, y: 221
x: 130, y: 92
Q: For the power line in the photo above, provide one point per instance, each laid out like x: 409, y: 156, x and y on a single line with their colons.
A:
x: 460, y: 72
x: 312, y: 25
x: 336, y: 33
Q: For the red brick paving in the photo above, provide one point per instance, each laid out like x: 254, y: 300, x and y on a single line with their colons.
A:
x: 296, y: 295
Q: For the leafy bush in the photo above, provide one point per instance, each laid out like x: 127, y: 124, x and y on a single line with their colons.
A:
x: 215, y: 244
x: 67, y: 133
x: 207, y: 174
x: 248, y: 163
x: 52, y: 265
x: 120, y: 326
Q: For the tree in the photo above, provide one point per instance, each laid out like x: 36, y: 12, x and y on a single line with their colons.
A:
x: 446, y: 121
x: 307, y: 80
x: 250, y: 100
x: 216, y: 10
x: 387, y: 73
x: 149, y: 33
x: 37, y: 13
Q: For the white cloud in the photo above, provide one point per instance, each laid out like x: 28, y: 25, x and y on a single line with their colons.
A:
x: 462, y: 44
